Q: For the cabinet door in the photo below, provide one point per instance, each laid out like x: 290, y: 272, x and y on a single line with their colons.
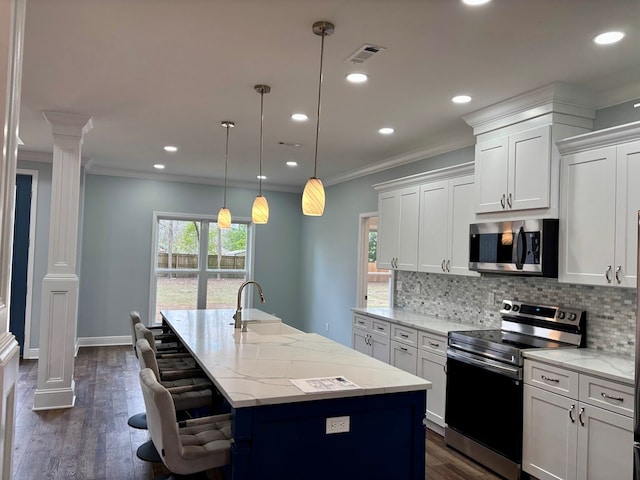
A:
x: 404, y: 357
x: 431, y: 367
x: 627, y: 206
x: 380, y: 347
x: 434, y: 214
x: 408, y: 216
x: 360, y: 342
x: 491, y: 175
x: 549, y: 435
x: 388, y: 227
x: 461, y: 215
x: 587, y: 217
x: 605, y: 445
x: 529, y: 171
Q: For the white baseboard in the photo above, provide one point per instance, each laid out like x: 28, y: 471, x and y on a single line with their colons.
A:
x: 34, y: 353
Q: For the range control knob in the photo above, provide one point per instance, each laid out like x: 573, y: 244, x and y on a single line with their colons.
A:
x: 561, y: 315
x: 572, y: 316
x: 516, y: 308
x: 506, y: 306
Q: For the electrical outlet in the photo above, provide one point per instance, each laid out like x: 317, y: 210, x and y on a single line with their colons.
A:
x: 338, y: 424
x: 491, y: 298
x: 326, y: 327
x: 399, y: 285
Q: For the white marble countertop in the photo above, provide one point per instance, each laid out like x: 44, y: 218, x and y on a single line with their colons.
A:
x: 409, y: 319
x: 251, y: 369
x: 588, y: 360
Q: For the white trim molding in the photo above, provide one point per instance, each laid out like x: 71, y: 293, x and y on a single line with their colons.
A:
x: 600, y: 138
x: 429, y: 176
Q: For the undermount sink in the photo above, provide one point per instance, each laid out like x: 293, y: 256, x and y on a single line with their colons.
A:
x: 271, y: 328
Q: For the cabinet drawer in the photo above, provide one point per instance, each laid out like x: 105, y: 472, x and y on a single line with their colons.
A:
x: 551, y: 378
x: 405, y: 335
x: 612, y: 396
x: 432, y: 342
x: 404, y: 357
x: 361, y: 322
x: 380, y: 327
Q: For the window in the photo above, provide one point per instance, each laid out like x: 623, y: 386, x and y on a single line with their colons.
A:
x: 197, y: 265
x: 375, y: 285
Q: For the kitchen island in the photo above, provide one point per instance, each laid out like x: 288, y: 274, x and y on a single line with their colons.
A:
x: 374, y: 431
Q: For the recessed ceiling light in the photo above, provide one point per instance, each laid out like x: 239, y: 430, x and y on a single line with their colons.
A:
x: 170, y: 149
x: 357, y: 77
x: 474, y: 3
x: 158, y: 166
x: 636, y: 105
x: 261, y: 177
x: 386, y: 131
x: 461, y: 99
x: 607, y: 38
x: 299, y: 117
x: 291, y: 163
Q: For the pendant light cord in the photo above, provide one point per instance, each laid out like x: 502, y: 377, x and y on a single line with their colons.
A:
x: 315, y: 156
x: 261, y: 137
x: 226, y: 165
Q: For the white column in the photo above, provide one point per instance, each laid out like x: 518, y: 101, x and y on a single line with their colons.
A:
x: 11, y: 35
x: 56, y: 387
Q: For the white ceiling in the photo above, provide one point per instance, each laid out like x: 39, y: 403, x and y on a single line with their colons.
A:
x: 158, y: 72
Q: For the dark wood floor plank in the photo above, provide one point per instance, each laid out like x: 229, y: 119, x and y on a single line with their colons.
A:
x: 92, y: 440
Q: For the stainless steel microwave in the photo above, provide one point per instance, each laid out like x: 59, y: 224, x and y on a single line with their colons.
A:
x: 525, y: 247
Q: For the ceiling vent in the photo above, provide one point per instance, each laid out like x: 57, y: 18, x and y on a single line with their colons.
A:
x: 364, y: 53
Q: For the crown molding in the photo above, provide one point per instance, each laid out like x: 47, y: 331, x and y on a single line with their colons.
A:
x: 445, y: 173
x: 600, y: 138
x: 406, y: 158
x: 163, y: 177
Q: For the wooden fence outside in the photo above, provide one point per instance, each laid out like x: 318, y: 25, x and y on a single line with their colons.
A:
x: 190, y: 261
x: 376, y: 274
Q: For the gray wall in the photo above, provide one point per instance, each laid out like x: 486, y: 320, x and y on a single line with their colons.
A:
x: 617, y: 115
x: 116, y: 255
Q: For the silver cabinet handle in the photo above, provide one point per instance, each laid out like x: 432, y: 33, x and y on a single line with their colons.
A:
x: 547, y: 379
x: 609, y: 397
x: 448, y: 265
x: 606, y: 274
x: 437, y: 345
x: 502, y: 201
x: 509, y: 201
x: 404, y: 349
x: 618, y: 270
x: 442, y: 265
x: 444, y: 367
x: 573, y: 419
x: 580, y: 416
x: 404, y: 335
x: 380, y: 328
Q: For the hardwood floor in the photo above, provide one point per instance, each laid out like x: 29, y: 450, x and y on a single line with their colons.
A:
x: 93, y: 441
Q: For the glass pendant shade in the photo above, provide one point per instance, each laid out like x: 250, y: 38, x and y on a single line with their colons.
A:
x: 224, y: 218
x: 260, y: 210
x: 313, y: 198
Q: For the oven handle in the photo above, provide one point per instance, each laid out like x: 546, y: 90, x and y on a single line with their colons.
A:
x: 457, y: 347
x: 521, y: 237
x: 484, y: 363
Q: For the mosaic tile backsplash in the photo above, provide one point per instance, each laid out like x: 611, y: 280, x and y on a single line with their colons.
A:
x: 611, y: 311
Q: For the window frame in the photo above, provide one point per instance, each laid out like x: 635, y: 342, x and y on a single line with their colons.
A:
x: 203, y: 272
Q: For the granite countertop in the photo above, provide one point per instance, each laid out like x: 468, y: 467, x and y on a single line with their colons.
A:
x: 253, y: 369
x: 409, y: 319
x: 588, y: 360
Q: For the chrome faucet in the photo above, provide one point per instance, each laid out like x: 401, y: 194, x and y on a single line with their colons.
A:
x: 238, y: 315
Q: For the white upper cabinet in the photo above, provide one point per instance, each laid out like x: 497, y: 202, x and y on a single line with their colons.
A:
x: 517, y: 164
x: 446, y: 210
x: 599, y: 207
x: 398, y: 212
x: 423, y: 221
x: 514, y: 172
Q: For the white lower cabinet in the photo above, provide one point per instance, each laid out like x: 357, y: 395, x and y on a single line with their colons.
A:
x: 404, y: 356
x: 566, y: 436
x: 371, y: 337
x: 431, y: 367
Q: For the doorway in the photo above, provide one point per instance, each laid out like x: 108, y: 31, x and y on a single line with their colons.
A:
x: 375, y: 285
x: 22, y: 261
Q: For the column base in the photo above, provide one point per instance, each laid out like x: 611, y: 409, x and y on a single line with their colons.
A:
x: 50, y: 399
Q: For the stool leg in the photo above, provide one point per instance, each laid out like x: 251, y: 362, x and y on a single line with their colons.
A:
x: 147, y: 452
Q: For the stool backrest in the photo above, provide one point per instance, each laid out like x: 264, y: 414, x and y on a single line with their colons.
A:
x: 135, y: 319
x: 144, y: 332
x: 147, y: 357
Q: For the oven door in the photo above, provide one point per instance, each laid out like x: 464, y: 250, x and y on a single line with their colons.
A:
x: 485, y: 404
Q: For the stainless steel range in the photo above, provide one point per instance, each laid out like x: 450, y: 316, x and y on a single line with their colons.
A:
x: 484, y: 380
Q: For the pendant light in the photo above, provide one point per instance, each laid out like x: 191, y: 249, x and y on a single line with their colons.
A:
x: 224, y: 215
x: 260, y: 210
x: 313, y: 195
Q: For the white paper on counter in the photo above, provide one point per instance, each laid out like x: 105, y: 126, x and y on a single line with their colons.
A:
x: 324, y: 384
